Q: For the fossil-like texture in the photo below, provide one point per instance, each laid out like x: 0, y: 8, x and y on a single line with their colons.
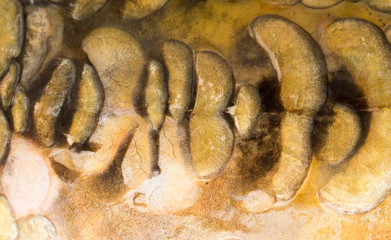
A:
x: 136, y: 164
x: 178, y: 58
x: 85, y: 8
x: 113, y: 132
x: 387, y: 31
x: 89, y: 102
x: 320, y: 3
x: 214, y: 84
x: 301, y: 70
x: 36, y: 227
x: 8, y: 227
x: 381, y: 5
x: 246, y: 110
x: 342, y: 136
x: 156, y: 94
x: 44, y: 38
x: 163, y: 193
x: 283, y: 2
x: 5, y: 135
x: 119, y: 60
x: 211, y: 138
x: 56, y: 37
x: 139, y: 9
x: 49, y: 105
x: 366, y: 53
x: 37, y: 40
x: 20, y: 110
x: 11, y: 32
x: 169, y: 201
x: 8, y: 84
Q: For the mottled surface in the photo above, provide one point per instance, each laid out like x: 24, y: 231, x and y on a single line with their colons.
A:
x: 95, y: 202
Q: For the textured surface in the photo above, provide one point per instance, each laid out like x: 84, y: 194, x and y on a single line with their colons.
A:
x: 96, y: 202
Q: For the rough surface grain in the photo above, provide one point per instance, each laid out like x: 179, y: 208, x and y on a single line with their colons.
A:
x: 320, y: 3
x: 139, y: 9
x: 20, y: 110
x: 178, y: 59
x: 37, y: 42
x: 11, y: 32
x: 83, y: 9
x: 36, y: 227
x: 8, y: 84
x: 119, y: 60
x: 301, y: 69
x: 247, y: 109
x: 8, y: 227
x: 381, y: 5
x: 49, y: 105
x: 89, y: 102
x: 211, y: 137
x: 5, y: 135
x: 156, y: 94
x: 366, y: 53
x: 342, y: 137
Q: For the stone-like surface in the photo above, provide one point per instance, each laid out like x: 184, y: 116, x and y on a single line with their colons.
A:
x: 381, y: 5
x: 211, y: 145
x: 136, y: 164
x: 178, y: 59
x: 36, y: 227
x: 91, y: 207
x: 341, y: 137
x: 283, y: 2
x: 214, y: 84
x: 366, y: 53
x: 37, y: 40
x: 8, y: 84
x: 211, y: 138
x: 113, y: 132
x: 56, y: 36
x: 301, y: 70
x: 246, y: 110
x: 44, y: 39
x: 112, y: 51
x: 5, y: 135
x: 11, y: 32
x: 320, y: 3
x: 156, y: 94
x: 164, y: 194
x: 85, y: 8
x: 387, y: 31
x: 89, y: 102
x: 50, y: 103
x: 139, y: 9
x: 20, y: 110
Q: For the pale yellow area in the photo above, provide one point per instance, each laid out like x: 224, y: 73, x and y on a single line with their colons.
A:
x: 36, y: 227
x: 8, y: 228
x: 342, y: 137
x: 90, y: 209
x: 20, y: 109
x: 85, y: 8
x: 8, y: 84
